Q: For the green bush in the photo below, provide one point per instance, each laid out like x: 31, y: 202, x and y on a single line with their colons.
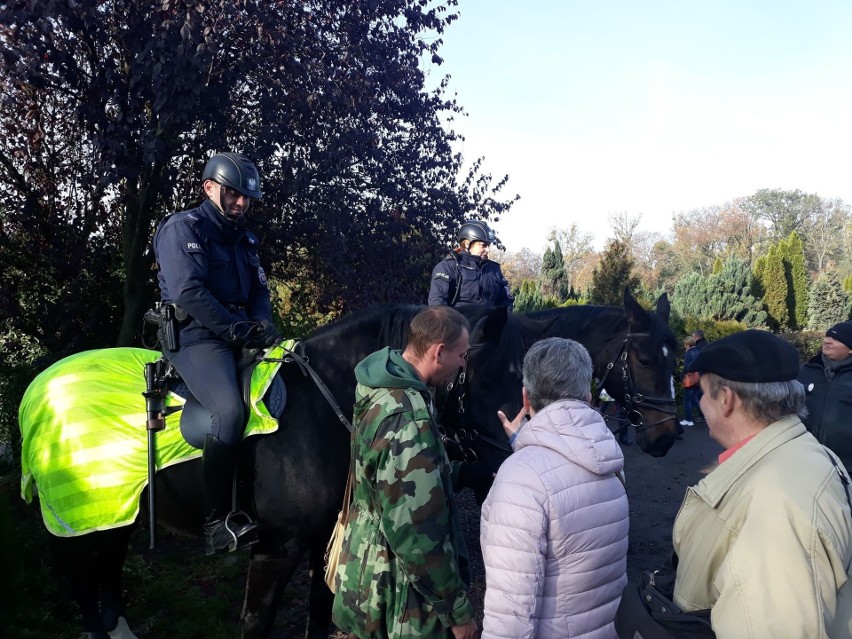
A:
x: 808, y: 343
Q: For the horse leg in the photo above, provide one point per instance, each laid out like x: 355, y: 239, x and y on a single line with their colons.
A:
x: 112, y: 551
x: 76, y: 558
x: 268, y: 574
x: 320, y: 599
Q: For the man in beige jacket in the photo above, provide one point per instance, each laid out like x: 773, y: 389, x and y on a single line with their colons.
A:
x: 765, y: 540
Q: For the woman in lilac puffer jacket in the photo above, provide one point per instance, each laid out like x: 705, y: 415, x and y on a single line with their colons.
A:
x: 554, y: 526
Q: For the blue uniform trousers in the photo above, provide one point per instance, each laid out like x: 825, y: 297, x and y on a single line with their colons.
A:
x: 210, y: 372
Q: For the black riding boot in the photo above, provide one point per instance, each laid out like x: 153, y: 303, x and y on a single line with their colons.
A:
x: 224, y: 530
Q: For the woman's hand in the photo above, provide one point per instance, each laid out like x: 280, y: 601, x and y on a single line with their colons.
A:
x: 512, y: 427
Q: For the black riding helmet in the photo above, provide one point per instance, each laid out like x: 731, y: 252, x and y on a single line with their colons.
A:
x: 476, y: 231
x: 234, y: 171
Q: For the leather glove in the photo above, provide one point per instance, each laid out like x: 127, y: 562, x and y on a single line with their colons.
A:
x: 240, y: 333
x: 266, y: 336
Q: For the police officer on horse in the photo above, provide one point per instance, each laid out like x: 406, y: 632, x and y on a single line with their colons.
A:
x: 215, y: 292
x: 466, y: 275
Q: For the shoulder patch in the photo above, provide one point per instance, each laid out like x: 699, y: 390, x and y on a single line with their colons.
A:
x: 194, y: 247
x: 440, y: 275
x: 261, y: 276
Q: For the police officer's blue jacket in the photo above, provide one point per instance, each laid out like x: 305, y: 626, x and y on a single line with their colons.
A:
x: 209, y: 268
x: 462, y: 278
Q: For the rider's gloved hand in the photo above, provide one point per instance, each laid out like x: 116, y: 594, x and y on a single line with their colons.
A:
x: 244, y: 333
x: 266, y: 337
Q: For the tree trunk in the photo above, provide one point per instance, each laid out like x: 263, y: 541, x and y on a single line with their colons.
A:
x: 135, y: 241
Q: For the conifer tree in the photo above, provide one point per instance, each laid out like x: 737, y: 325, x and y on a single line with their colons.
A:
x: 717, y: 265
x: 690, y: 297
x: 729, y: 295
x: 529, y: 298
x: 828, y: 302
x: 793, y: 252
x: 775, y: 290
x: 612, y: 275
x: 554, y: 279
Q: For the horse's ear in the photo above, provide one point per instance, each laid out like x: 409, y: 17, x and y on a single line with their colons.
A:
x: 663, y: 307
x: 491, y: 326
x: 634, y: 310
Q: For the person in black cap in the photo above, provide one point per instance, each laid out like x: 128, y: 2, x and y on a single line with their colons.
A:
x: 827, y: 378
x: 466, y: 275
x: 765, y: 539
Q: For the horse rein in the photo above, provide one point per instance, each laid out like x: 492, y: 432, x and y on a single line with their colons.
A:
x: 634, y: 400
x: 307, y: 370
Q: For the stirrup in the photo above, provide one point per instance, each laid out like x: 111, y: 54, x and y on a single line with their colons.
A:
x: 235, y: 532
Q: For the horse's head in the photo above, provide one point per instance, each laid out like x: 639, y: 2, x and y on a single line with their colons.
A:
x: 639, y: 374
x: 491, y: 381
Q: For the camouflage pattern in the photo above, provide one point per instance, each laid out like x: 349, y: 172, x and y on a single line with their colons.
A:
x: 403, y: 556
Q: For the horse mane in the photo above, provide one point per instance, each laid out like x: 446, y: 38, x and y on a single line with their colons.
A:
x: 388, y: 323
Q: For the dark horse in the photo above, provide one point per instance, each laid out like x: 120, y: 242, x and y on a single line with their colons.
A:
x: 634, y: 356
x: 294, y: 478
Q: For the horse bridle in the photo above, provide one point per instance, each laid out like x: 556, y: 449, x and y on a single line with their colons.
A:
x: 465, y: 436
x: 634, y: 400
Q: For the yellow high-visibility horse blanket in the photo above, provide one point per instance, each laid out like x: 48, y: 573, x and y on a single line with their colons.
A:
x: 85, y: 446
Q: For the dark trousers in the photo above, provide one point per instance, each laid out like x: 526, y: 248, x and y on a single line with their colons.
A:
x: 691, y: 396
x: 210, y: 371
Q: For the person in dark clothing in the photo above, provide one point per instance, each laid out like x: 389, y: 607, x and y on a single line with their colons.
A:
x: 690, y: 386
x: 827, y: 378
x: 700, y: 343
x: 210, y: 273
x: 466, y: 275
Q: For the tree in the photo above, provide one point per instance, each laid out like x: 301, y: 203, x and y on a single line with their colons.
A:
x: 729, y: 297
x: 828, y: 303
x: 690, y: 297
x: 783, y: 211
x: 824, y: 237
x: 699, y: 237
x: 717, y: 265
x: 613, y: 275
x: 528, y: 297
x: 776, y: 290
x: 624, y: 226
x: 554, y: 280
x: 653, y: 263
x: 111, y: 108
x: 793, y: 254
x: 576, y: 246
x: 520, y: 265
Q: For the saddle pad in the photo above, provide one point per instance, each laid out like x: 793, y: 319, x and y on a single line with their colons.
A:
x: 85, y: 444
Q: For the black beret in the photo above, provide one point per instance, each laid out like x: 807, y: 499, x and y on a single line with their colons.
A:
x: 842, y: 332
x: 750, y: 356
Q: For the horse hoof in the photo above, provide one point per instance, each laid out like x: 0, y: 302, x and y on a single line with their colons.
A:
x: 122, y: 630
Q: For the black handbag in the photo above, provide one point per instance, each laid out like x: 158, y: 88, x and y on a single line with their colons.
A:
x: 647, y: 611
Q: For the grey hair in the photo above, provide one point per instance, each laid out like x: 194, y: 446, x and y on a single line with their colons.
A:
x: 556, y: 368
x: 766, y: 402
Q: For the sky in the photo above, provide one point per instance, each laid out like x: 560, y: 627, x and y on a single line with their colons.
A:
x: 650, y: 108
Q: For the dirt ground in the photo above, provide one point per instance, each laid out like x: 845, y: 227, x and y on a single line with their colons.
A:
x: 655, y: 487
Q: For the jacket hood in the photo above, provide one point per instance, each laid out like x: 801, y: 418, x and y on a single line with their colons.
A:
x: 387, y: 369
x: 577, y: 432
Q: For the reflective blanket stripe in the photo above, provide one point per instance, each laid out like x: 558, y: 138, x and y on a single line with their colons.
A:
x: 85, y: 447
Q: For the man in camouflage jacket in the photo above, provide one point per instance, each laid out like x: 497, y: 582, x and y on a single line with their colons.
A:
x: 400, y: 572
